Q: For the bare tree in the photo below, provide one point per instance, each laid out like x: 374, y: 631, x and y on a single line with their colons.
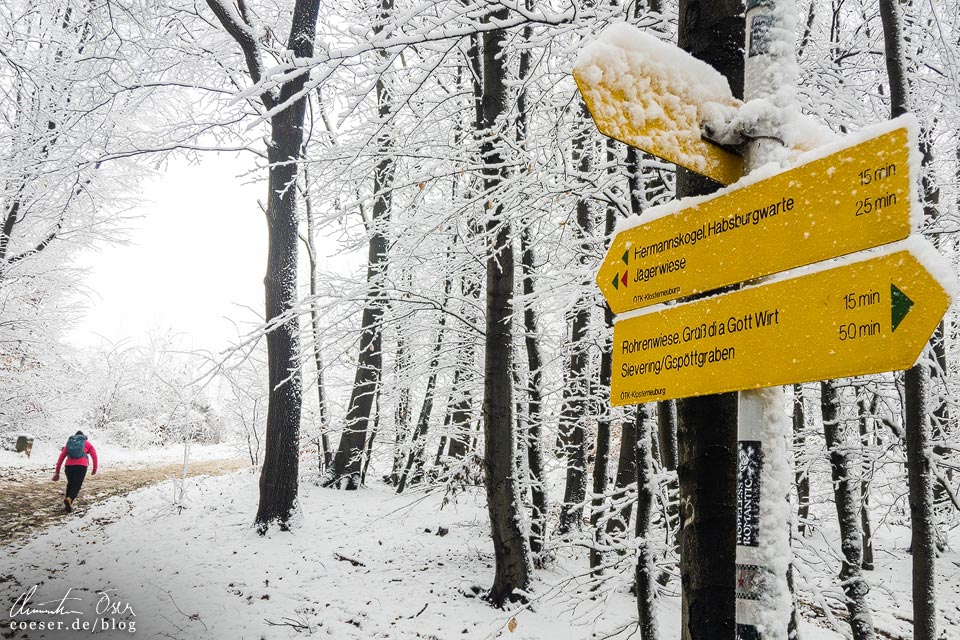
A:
x: 285, y: 107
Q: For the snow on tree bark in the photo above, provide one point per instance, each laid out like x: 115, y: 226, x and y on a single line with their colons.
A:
x: 646, y: 488
x: 511, y: 554
x: 917, y: 384
x: 359, y: 418
x: 573, y: 416
x: 845, y: 490
x: 279, y: 477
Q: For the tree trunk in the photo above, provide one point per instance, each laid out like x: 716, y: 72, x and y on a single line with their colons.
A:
x: 279, y: 477
x: 802, y: 474
x: 368, y: 450
x: 325, y: 456
x: 415, y: 459
x: 534, y: 435
x: 855, y: 588
x: 646, y: 586
x: 866, y: 474
x: 359, y: 418
x: 401, y: 416
x: 923, y: 528
x: 573, y: 416
x: 626, y: 474
x: 916, y: 384
x: 667, y: 441
x: 707, y: 426
x: 503, y: 497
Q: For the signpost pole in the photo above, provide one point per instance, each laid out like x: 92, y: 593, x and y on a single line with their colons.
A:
x: 764, y: 475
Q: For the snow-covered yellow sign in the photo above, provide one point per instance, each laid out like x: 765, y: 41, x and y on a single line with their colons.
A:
x: 654, y: 96
x: 862, y: 317
x: 845, y: 200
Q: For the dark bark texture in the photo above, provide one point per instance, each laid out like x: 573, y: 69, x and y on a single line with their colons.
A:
x: 802, y: 475
x: 707, y: 429
x: 845, y: 490
x: 359, y: 419
x: 917, y: 385
x: 503, y: 495
x: 646, y: 586
x: 278, y: 478
x: 573, y: 416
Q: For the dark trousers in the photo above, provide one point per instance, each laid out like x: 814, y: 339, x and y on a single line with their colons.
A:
x: 75, y: 476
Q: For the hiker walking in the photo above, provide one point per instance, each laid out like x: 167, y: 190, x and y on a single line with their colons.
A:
x: 75, y: 453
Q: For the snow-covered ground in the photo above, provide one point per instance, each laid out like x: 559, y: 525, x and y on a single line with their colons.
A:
x: 365, y: 564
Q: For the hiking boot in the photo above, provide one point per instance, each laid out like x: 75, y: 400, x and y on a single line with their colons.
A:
x: 68, y: 504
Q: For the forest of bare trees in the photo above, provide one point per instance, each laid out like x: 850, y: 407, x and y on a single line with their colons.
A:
x: 445, y: 149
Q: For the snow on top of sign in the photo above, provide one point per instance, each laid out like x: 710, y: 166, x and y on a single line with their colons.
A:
x: 650, y: 93
x: 908, y: 121
x: 646, y: 51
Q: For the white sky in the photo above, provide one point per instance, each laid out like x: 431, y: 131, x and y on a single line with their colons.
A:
x: 196, y: 256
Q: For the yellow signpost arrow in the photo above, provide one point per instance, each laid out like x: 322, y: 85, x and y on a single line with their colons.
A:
x: 853, y: 199
x: 864, y: 317
x: 637, y: 95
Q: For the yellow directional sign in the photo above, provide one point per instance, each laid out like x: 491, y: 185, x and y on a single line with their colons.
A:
x: 639, y: 95
x: 852, y: 199
x: 863, y: 317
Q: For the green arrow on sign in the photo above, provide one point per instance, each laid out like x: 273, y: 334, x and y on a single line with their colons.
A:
x: 900, y: 306
x: 616, y: 281
x: 626, y: 257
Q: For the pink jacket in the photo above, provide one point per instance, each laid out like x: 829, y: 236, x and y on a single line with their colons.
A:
x: 88, y: 450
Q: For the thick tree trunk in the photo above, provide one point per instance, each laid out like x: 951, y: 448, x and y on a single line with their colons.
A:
x: 707, y: 429
x: 923, y: 528
x: 278, y: 478
x: 855, y: 588
x: 503, y: 497
x: 646, y: 586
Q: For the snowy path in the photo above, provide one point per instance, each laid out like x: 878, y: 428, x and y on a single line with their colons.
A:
x: 360, y: 565
x: 357, y: 566
x: 29, y: 500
